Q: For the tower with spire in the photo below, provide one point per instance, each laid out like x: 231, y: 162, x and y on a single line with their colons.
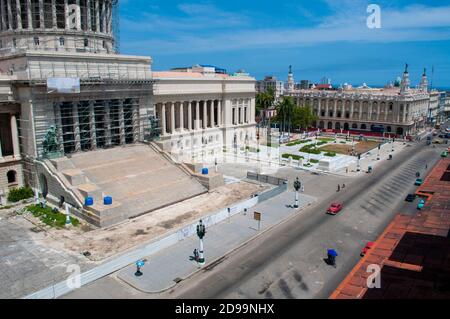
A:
x: 290, y: 81
x: 424, y: 82
x: 406, y: 83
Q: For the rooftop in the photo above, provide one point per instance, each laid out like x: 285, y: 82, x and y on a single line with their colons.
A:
x: 413, y: 252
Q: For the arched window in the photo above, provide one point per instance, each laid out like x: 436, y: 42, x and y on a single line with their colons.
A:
x: 12, y: 177
x: 363, y: 127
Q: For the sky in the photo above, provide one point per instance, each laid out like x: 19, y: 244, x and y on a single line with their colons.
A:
x: 318, y: 38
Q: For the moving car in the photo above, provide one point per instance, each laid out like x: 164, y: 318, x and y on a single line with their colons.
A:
x: 334, y: 208
x: 444, y: 154
x: 410, y: 198
x: 368, y: 246
x: 418, y: 182
x: 421, y: 204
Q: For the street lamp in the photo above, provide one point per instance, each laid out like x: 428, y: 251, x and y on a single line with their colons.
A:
x: 201, y: 231
x: 297, y: 186
x: 358, y: 169
x: 378, y: 155
x: 393, y: 140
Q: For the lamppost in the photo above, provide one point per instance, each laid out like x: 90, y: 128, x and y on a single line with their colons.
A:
x: 201, y: 231
x: 297, y: 186
x: 393, y: 140
x: 378, y: 155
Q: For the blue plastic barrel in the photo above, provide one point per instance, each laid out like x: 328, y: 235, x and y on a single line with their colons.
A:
x: 107, y: 200
x: 89, y: 201
x: 205, y: 171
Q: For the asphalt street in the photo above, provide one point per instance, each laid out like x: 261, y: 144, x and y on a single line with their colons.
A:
x: 288, y: 262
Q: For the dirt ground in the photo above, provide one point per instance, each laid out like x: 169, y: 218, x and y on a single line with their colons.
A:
x: 346, y: 149
x: 103, y: 243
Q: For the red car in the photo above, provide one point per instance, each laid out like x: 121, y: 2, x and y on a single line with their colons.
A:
x: 334, y: 208
x: 367, y: 248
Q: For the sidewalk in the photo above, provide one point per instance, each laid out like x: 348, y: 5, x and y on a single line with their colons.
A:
x: 164, y: 269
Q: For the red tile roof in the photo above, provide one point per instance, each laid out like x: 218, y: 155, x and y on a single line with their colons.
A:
x: 413, y: 252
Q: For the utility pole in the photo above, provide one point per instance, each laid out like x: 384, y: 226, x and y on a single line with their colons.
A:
x: 68, y: 221
x: 201, y: 231
x: 297, y: 186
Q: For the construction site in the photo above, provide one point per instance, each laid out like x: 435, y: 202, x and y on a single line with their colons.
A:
x: 83, y: 119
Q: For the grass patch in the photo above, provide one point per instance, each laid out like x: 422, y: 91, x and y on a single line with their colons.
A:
x: 17, y: 194
x: 314, y: 161
x: 298, y: 142
x: 330, y: 154
x: 310, y: 149
x: 326, y: 139
x: 5, y: 207
x: 50, y: 217
x: 294, y: 157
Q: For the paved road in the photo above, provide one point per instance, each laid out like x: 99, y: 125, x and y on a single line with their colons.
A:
x: 288, y: 262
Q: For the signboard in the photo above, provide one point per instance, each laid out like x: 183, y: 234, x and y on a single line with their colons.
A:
x: 257, y: 216
x: 63, y: 85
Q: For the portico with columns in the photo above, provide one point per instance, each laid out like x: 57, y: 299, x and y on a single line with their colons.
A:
x: 206, y: 114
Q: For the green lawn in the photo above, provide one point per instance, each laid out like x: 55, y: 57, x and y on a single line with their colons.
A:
x: 49, y: 217
x: 294, y: 157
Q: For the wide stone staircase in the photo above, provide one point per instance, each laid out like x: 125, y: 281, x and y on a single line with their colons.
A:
x: 138, y: 178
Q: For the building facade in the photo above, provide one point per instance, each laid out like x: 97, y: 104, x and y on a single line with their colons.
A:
x: 65, y: 89
x: 271, y: 82
x: 402, y: 111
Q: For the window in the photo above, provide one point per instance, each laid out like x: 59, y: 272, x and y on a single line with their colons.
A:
x: 12, y: 177
x: 36, y: 40
x: 104, y: 44
x: 14, y: 42
x: 86, y: 42
x: 62, y: 41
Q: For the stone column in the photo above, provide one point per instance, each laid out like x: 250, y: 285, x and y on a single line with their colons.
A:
x: 93, y: 131
x: 41, y: 14
x: 107, y: 120
x: 59, y: 128
x: 30, y: 15
x: 66, y: 13
x: 197, y: 115
x: 219, y: 113
x: 181, y: 116
x: 163, y: 119
x: 121, y: 123
x: 172, y: 117
x: 103, y: 16
x: 19, y: 15
x: 15, y: 135
x: 241, y: 110
x: 97, y: 16
x: 76, y: 127
x: 335, y: 108
x: 205, y: 114
x: 189, y: 127
x: 211, y: 111
x: 88, y: 15
x: 3, y: 17
x: 54, y: 19
x: 352, y: 108
x: 10, y: 14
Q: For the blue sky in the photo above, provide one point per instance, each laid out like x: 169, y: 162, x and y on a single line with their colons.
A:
x: 319, y: 38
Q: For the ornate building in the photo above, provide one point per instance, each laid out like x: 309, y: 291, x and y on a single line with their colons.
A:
x: 392, y: 110
x: 65, y: 90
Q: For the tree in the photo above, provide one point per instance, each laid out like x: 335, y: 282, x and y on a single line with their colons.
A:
x: 264, y: 101
x: 290, y: 115
x: 285, y: 113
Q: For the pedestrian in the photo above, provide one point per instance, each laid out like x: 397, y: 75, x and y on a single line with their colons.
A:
x: 343, y: 185
x: 339, y: 188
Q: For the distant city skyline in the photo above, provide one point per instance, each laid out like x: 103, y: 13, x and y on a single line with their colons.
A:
x: 320, y: 38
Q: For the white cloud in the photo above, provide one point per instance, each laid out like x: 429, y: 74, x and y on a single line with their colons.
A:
x: 230, y: 31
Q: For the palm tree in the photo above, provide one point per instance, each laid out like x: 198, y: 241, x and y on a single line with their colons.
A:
x: 285, y: 113
x: 264, y: 101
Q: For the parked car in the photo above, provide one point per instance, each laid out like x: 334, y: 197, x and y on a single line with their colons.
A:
x: 368, y: 246
x: 444, y: 154
x: 421, y: 204
x: 334, y: 208
x: 410, y: 198
x: 418, y: 182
